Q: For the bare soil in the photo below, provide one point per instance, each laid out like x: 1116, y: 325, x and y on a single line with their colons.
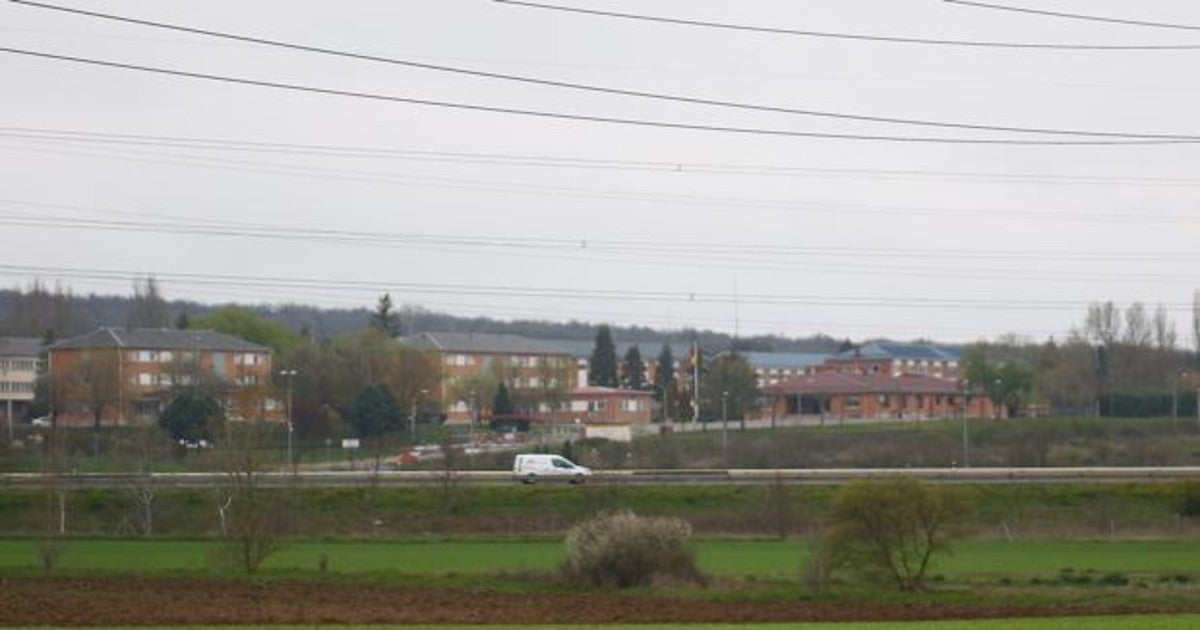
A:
x: 179, y: 601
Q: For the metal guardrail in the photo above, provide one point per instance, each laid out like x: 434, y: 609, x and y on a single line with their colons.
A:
x: 393, y: 478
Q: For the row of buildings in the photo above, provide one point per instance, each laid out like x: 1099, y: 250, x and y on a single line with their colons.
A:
x: 120, y: 376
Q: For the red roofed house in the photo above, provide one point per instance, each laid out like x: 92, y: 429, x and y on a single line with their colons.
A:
x: 875, y: 396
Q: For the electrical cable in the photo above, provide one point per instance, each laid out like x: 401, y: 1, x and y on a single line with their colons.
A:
x: 561, y: 293
x: 846, y: 36
x: 721, y: 204
x: 552, y: 161
x: 604, y: 89
x: 494, y: 109
x: 1072, y: 16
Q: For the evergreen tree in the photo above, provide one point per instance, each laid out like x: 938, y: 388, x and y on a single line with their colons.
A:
x: 375, y: 411
x: 385, y: 319
x: 192, y: 415
x: 664, y: 379
x: 602, y: 367
x: 502, y: 404
x: 182, y: 322
x: 633, y: 372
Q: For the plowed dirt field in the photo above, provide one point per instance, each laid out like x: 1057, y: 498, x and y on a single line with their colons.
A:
x: 171, y: 601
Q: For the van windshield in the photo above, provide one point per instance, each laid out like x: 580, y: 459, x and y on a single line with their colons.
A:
x: 562, y: 463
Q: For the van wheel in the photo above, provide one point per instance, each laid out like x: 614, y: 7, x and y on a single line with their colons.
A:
x: 578, y: 479
x: 529, y: 479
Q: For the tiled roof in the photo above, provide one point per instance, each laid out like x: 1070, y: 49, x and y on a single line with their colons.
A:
x: 515, y: 344
x: 484, y: 343
x: 905, y: 351
x: 592, y: 390
x: 20, y: 346
x: 837, y: 383
x: 158, y: 339
x: 792, y: 360
x: 582, y: 349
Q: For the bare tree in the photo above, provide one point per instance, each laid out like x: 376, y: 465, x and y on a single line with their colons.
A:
x: 1103, y: 323
x: 99, y: 383
x: 147, y: 308
x: 1165, y: 336
x: 253, y: 517
x: 1138, y: 331
x: 1196, y: 321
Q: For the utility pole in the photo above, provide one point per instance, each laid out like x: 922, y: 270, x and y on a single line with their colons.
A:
x: 725, y: 428
x: 966, y: 444
x: 291, y: 427
x: 696, y: 381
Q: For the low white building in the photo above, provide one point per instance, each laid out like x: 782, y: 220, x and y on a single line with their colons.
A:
x: 19, y: 357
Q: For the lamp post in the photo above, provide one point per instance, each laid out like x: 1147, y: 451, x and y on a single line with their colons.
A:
x: 291, y: 427
x: 471, y: 414
x: 412, y: 423
x: 966, y: 444
x: 725, y: 428
x: 999, y: 393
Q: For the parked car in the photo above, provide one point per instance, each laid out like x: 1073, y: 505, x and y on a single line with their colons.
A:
x: 41, y: 421
x: 530, y: 468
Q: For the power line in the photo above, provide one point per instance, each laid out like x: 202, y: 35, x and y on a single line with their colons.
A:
x: 708, y: 203
x: 721, y: 204
x: 184, y: 225
x: 1074, y: 16
x: 558, y: 161
x: 847, y: 36
x: 604, y: 89
x: 373, y: 286
x: 757, y: 131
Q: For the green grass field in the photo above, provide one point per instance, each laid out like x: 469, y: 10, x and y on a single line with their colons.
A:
x: 763, y: 559
x: 1139, y: 622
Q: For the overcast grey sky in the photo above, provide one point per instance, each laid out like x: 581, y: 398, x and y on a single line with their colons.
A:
x: 653, y: 226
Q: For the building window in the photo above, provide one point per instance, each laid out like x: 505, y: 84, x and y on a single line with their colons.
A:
x: 165, y: 356
x: 631, y: 404
x: 596, y: 405
x: 146, y: 356
x: 145, y: 379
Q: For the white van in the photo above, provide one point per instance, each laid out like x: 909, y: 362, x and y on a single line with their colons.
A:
x: 532, y: 467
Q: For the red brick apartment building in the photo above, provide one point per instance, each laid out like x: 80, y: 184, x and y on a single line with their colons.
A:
x: 533, y: 370
x: 131, y: 374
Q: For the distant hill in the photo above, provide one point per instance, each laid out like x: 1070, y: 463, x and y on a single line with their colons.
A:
x: 30, y: 313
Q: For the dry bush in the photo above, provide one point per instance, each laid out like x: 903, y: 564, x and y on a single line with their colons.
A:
x: 623, y: 550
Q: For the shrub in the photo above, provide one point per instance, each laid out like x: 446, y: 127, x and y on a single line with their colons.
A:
x: 891, y: 529
x: 1113, y: 579
x: 623, y: 550
x: 1189, y: 500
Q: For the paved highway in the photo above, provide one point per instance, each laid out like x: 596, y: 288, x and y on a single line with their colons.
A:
x: 391, y: 478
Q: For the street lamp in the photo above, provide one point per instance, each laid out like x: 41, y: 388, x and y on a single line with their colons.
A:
x: 291, y: 427
x: 413, y: 415
x: 966, y: 445
x: 999, y: 393
x: 471, y: 414
x: 725, y: 428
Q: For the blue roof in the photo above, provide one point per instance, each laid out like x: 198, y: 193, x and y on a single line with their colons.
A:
x: 795, y: 360
x: 905, y: 351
